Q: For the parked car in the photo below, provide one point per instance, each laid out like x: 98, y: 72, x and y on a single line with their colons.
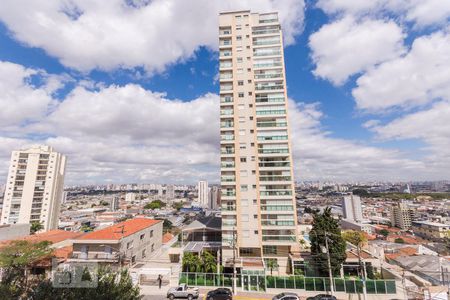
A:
x: 220, y: 294
x: 322, y: 297
x: 182, y: 291
x: 286, y: 296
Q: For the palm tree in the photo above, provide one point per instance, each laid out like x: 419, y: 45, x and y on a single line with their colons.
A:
x: 190, y: 262
x: 35, y: 227
x: 272, y: 264
x: 209, y: 262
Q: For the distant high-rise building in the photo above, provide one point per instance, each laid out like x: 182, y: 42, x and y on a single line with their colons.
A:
x: 34, y: 187
x: 114, y: 203
x: 214, y: 197
x: 402, y: 216
x: 160, y: 190
x: 170, y: 192
x: 258, y: 196
x: 130, y: 197
x: 202, y: 188
x: 351, y: 208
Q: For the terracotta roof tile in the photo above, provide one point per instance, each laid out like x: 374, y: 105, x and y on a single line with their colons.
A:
x: 167, y: 237
x: 120, y: 230
x: 53, y: 236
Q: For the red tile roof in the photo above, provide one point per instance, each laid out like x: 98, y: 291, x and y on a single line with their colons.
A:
x: 53, y: 236
x: 167, y: 237
x: 120, y: 230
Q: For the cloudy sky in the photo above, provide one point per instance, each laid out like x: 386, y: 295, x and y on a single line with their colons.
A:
x: 127, y: 89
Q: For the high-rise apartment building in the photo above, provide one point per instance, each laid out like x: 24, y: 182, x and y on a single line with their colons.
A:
x: 258, y: 201
x: 34, y: 187
x: 351, y: 208
x: 170, y: 192
x: 203, y: 190
x: 402, y: 216
x: 214, y: 197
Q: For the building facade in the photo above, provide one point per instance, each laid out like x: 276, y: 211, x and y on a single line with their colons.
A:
x: 214, y: 197
x: 351, y: 208
x: 123, y: 243
x: 433, y: 231
x: 258, y: 201
x: 203, y: 190
x: 170, y: 192
x: 34, y: 187
x: 402, y: 216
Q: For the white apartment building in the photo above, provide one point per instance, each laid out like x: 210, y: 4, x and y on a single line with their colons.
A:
x: 258, y: 198
x: 34, y: 187
x: 214, y: 197
x: 351, y: 208
x: 170, y: 192
x: 202, y: 188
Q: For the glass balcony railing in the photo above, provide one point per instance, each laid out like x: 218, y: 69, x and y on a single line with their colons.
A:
x: 265, y: 31
x: 277, y: 223
x: 274, y: 178
x: 226, y: 222
x: 226, y: 125
x: 225, y: 65
x: 277, y: 207
x: 266, y: 65
x: 271, y: 112
x: 279, y: 238
x: 266, y: 53
x: 228, y: 193
x: 272, y: 138
x: 268, y: 76
x: 272, y: 151
x: 228, y: 208
x: 226, y: 112
x: 227, y: 165
x: 276, y: 193
x: 268, y: 87
x: 227, y: 137
x: 261, y: 42
x: 227, y: 151
x: 227, y: 178
x: 271, y: 124
x: 269, y: 100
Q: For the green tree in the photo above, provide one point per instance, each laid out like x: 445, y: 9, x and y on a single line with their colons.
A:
x: 357, y: 238
x: 86, y: 228
x: 360, y: 192
x: 399, y: 241
x: 114, y: 285
x: 16, y: 260
x: 190, y: 262
x: 325, y: 226
x: 155, y: 204
x: 271, y: 264
x: 208, y: 262
x: 384, y: 232
x: 35, y: 227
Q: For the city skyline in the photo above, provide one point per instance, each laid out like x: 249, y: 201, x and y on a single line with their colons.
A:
x: 159, y: 108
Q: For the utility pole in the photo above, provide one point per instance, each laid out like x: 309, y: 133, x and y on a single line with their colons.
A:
x: 362, y: 264
x: 330, y: 273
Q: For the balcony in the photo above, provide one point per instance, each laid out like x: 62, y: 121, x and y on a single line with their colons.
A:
x: 277, y: 223
x: 266, y: 31
x: 273, y: 151
x: 226, y: 165
x: 266, y: 87
x: 227, y: 151
x: 228, y: 223
x: 271, y: 124
x: 226, y: 65
x: 227, y: 138
x: 228, y: 193
x: 228, y: 208
x: 279, y: 238
x: 271, y: 112
x: 226, y: 77
x: 267, y: 65
x: 266, y: 53
x: 273, y: 138
x: 226, y: 112
x: 276, y: 193
x: 228, y: 179
x: 277, y: 208
x: 266, y: 41
x: 275, y: 178
x: 226, y: 124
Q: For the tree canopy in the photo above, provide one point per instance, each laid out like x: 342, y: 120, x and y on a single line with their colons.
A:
x: 357, y: 238
x: 325, y: 226
x: 155, y: 204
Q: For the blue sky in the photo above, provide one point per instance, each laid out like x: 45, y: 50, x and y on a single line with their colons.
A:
x: 129, y: 92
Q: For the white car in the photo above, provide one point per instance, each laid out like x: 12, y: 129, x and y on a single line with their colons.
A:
x: 286, y: 296
x: 182, y: 291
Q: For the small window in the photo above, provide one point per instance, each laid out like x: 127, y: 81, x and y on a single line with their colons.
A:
x: 239, y: 59
x: 256, y: 231
x: 142, y: 236
x: 242, y: 146
x: 240, y: 82
x: 151, y: 233
x: 241, y: 95
x: 243, y: 159
x: 239, y: 38
x: 244, y: 188
x: 242, y: 132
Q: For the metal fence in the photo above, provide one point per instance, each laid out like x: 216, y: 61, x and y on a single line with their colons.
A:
x: 319, y: 284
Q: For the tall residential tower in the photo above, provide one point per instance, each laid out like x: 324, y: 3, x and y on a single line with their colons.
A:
x: 34, y: 187
x: 259, y: 216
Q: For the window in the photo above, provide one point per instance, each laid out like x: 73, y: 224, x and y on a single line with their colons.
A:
x: 153, y: 247
x: 144, y: 253
x: 240, y: 71
x: 142, y: 236
x: 129, y: 245
x: 240, y: 82
x: 239, y: 59
x: 243, y: 159
x: 250, y: 93
x: 241, y: 95
x: 255, y: 216
x: 151, y: 233
x: 255, y: 232
x: 239, y: 38
x: 242, y: 146
x: 238, y: 48
x: 244, y: 188
x: 255, y: 201
x: 267, y: 250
